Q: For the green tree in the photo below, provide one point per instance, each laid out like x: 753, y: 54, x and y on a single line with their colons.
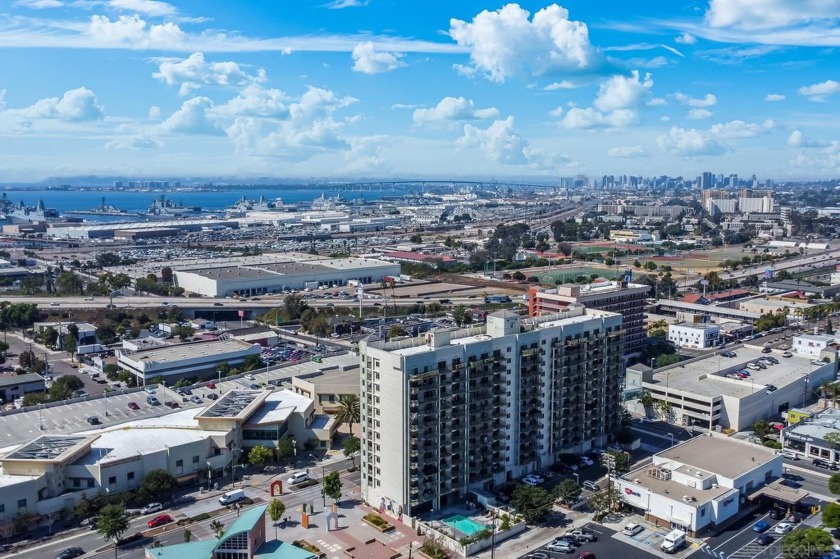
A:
x: 459, y: 314
x: 183, y: 332
x: 396, y: 330
x: 187, y: 535
x: 604, y: 501
x: 352, y: 445
x: 834, y: 484
x: 276, y: 510
x: 293, y: 306
x: 658, y: 329
x: 567, y: 491
x: 806, y: 544
x: 332, y: 486
x: 112, y: 523
x: 156, y: 485
x: 646, y: 399
x: 533, y: 503
x: 63, y: 387
x: 259, y: 455
x: 831, y: 515
x: 665, y: 360
x: 223, y: 368
x: 833, y: 440
x: 761, y: 428
x: 285, y: 448
x: 621, y: 460
x: 68, y: 283
x: 218, y: 528
x: 68, y: 344
x: 106, y: 333
x: 348, y: 410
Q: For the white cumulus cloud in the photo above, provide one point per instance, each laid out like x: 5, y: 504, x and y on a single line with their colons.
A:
x: 194, y: 71
x: 75, y: 105
x: 820, y: 91
x: 577, y: 117
x: 453, y: 109
x: 623, y: 92
x: 130, y: 31
x: 341, y: 4
x: 774, y: 97
x: 255, y: 100
x: 708, y: 100
x: 738, y: 129
x: 508, y: 42
x: 149, y: 7
x: 751, y: 15
x: 192, y: 118
x: 798, y: 140
x: 39, y: 4
x: 699, y: 114
x: 368, y: 59
x: 563, y: 84
x: 134, y: 143
x: 627, y: 152
x: 686, y: 39
x: 689, y: 143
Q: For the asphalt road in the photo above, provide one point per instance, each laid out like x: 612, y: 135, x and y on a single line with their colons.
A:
x: 608, y: 546
x: 189, y: 505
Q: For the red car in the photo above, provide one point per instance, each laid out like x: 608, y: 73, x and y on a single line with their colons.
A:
x: 133, y: 406
x: 160, y: 520
x: 586, y: 555
x: 211, y: 386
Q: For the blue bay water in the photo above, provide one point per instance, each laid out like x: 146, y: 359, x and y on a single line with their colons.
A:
x: 138, y: 202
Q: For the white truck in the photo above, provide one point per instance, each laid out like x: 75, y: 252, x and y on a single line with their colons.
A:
x: 673, y: 541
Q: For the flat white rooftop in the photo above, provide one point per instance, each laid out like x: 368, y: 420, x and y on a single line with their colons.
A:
x: 707, y: 377
x: 175, y: 353
x: 278, y: 406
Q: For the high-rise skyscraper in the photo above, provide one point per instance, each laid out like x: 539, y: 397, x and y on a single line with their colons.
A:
x: 465, y: 409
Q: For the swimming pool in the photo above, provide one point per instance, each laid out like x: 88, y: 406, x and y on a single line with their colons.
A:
x: 465, y: 525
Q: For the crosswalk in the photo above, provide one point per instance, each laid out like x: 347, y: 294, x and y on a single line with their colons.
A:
x: 748, y: 551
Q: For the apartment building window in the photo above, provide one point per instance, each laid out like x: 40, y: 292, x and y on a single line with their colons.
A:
x: 91, y: 483
x: 130, y: 476
x: 195, y: 459
x: 112, y: 480
x: 2, y: 513
x: 21, y: 504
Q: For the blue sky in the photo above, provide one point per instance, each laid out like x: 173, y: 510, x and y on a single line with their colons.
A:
x: 388, y: 88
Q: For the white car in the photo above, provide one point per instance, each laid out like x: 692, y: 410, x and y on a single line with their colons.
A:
x: 591, y: 486
x: 586, y: 461
x: 151, y: 507
x: 298, y: 477
x: 249, y: 377
x: 783, y: 527
x: 632, y: 529
x: 530, y: 480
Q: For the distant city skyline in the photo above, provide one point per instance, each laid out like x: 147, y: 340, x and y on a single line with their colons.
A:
x: 383, y: 88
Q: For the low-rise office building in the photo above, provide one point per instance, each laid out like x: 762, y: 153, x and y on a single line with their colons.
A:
x: 725, y: 392
x: 14, y: 386
x: 696, y: 336
x: 808, y: 437
x: 773, y: 306
x: 700, y: 483
x: 174, y: 362
x: 52, y: 472
x: 327, y: 388
x: 813, y: 345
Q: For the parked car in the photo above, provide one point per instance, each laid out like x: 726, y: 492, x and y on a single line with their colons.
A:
x: 591, y: 485
x: 212, y: 396
x: 249, y: 376
x: 184, y: 392
x: 766, y: 350
x: 794, y: 518
x: 761, y: 526
x: 172, y: 404
x: 789, y: 454
x: 532, y: 481
x: 586, y: 555
x: 586, y: 461
x: 783, y: 527
x: 298, y: 477
x: 159, y: 520
x: 151, y: 507
x: 776, y: 513
x: 196, y: 399
x: 764, y: 539
x: 820, y: 463
x: 583, y: 536
x: 787, y: 354
x: 152, y: 401
x: 133, y: 406
x: 560, y: 546
x: 633, y: 529
x: 70, y: 553
x: 93, y: 420
x: 211, y: 385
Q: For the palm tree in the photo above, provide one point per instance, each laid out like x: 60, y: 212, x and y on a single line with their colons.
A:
x: 218, y: 528
x: 348, y: 410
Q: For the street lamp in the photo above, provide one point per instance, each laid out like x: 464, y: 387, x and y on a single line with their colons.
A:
x: 577, y: 478
x: 323, y: 489
x: 209, y: 474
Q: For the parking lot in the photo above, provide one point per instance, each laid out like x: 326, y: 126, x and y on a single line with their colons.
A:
x: 609, y: 545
